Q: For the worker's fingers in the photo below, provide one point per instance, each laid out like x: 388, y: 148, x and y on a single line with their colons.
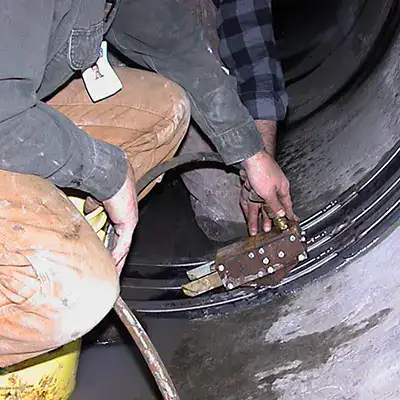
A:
x: 244, y: 192
x: 286, y: 201
x: 274, y: 205
x: 244, y: 204
x: 121, y: 264
x: 288, y: 206
x: 247, y: 185
x: 252, y: 217
x: 123, y: 243
x: 119, y: 258
x: 244, y: 200
x: 91, y: 204
x: 267, y: 224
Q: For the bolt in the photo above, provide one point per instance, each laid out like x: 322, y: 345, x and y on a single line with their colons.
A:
x: 303, y: 239
x: 260, y: 274
x: 230, y: 286
x: 292, y: 238
x: 281, y: 254
x: 301, y: 257
x: 271, y: 270
x: 261, y: 250
x: 221, y: 268
x: 251, y: 255
x: 265, y: 260
x: 303, y: 233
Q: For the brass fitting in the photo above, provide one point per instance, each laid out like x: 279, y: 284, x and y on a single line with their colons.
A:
x: 281, y: 223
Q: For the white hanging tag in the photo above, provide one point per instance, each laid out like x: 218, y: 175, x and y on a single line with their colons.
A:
x: 101, y: 80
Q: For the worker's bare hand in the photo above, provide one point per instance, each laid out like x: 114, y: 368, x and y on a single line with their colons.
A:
x: 122, y: 210
x: 264, y: 175
x: 252, y: 210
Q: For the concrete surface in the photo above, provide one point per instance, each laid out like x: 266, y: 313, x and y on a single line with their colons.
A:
x: 336, y: 338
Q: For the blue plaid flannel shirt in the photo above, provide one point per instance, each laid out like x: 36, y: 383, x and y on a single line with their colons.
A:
x: 247, y: 48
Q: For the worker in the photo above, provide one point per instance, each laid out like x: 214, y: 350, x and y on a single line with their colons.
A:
x: 247, y: 49
x: 57, y: 280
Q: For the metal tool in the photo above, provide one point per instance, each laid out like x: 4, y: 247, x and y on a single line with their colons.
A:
x: 149, y: 352
x: 265, y: 258
x: 128, y: 318
x: 280, y: 222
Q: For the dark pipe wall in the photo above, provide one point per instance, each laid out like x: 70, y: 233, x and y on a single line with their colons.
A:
x: 345, y: 129
x: 339, y: 144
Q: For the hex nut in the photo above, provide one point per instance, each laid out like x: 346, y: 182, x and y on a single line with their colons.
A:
x: 271, y: 270
x: 301, y: 257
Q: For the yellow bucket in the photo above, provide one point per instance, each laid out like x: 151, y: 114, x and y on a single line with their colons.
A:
x: 50, y: 376
x: 96, y: 219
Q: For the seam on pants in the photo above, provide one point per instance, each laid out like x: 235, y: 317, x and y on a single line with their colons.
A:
x: 5, y: 311
x: 115, y: 104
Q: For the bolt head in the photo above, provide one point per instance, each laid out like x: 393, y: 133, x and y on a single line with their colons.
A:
x: 292, y: 238
x: 281, y: 254
x: 303, y: 239
x: 230, y: 286
x: 260, y: 274
x: 265, y: 260
x: 301, y: 257
x: 251, y: 255
x: 221, y: 268
x: 271, y: 270
x: 261, y: 250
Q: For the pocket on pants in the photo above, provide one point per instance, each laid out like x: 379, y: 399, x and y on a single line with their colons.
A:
x: 84, y: 46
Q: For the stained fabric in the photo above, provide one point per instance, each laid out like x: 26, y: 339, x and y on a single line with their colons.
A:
x: 56, y: 279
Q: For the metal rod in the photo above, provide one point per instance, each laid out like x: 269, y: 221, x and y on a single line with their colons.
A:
x: 142, y: 340
x: 149, y: 352
x: 128, y: 318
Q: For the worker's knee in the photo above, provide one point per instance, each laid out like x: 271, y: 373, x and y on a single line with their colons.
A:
x: 159, y: 100
x: 62, y: 310
x: 177, y: 111
x: 91, y: 303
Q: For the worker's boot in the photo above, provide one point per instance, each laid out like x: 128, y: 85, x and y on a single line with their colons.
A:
x: 214, y: 194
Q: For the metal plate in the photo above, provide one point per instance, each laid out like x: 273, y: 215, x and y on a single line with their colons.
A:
x: 270, y: 255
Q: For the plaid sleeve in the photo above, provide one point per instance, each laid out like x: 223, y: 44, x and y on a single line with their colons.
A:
x: 247, y: 47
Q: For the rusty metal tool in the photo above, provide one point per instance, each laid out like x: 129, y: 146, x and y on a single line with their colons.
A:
x: 265, y: 258
x: 149, y: 352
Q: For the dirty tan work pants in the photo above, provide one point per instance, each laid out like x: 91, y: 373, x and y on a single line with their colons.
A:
x: 56, y: 279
